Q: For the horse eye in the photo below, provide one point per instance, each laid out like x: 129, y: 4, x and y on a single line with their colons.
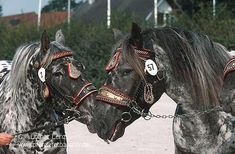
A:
x: 127, y: 72
x: 57, y: 73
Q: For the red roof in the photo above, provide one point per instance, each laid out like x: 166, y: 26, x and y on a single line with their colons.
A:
x: 48, y: 19
x: 27, y: 18
x: 53, y: 18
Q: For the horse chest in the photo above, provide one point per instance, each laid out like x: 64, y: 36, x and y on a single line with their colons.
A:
x: 196, y: 135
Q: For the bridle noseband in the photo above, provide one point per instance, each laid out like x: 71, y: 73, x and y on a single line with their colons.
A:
x: 114, y: 96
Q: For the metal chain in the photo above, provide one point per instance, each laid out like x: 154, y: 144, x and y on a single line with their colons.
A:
x: 147, y: 116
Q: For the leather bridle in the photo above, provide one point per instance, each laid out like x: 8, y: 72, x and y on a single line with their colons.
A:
x: 86, y: 90
x: 81, y: 94
x: 112, y: 95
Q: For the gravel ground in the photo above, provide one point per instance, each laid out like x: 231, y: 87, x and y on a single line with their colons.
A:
x: 141, y: 137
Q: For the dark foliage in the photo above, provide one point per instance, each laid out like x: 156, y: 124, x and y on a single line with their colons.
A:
x: 58, y: 5
x: 93, y: 43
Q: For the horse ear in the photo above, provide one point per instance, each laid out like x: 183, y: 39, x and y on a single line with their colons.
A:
x: 117, y: 34
x: 136, y: 37
x: 45, y: 43
x: 59, y: 37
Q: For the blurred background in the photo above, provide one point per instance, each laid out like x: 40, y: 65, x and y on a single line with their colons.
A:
x: 87, y: 24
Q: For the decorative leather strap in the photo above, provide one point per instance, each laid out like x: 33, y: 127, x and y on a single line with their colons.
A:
x: 55, y: 56
x: 61, y: 54
x: 113, y: 62
x: 113, y: 96
x: 143, y: 53
x: 83, y: 93
x: 230, y: 67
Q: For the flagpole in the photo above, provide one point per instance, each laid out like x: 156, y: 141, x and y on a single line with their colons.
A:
x: 108, y: 13
x: 69, y: 12
x: 214, y: 3
x: 155, y: 14
x: 39, y: 13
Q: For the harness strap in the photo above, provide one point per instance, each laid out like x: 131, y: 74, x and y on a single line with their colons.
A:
x: 84, y: 92
x: 230, y: 67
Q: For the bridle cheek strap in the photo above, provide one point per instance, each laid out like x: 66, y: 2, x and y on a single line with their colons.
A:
x: 83, y: 93
x: 113, y: 96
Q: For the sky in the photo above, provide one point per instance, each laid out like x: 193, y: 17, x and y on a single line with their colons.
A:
x: 11, y: 7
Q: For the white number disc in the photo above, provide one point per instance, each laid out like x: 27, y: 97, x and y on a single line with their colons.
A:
x: 151, y: 67
x: 42, y: 74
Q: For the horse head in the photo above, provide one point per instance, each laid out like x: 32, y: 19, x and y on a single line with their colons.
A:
x: 135, y: 82
x: 62, y: 79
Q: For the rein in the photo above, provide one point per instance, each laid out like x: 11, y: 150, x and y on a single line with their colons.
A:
x: 77, y: 99
x: 48, y: 126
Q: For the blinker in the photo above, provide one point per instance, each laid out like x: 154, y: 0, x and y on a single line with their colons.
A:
x: 113, y: 61
x: 73, y: 72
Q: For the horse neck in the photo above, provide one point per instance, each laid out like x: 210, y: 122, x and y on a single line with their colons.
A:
x: 182, y: 92
x: 191, y: 118
x: 18, y: 107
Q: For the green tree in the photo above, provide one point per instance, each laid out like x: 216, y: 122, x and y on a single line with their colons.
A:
x: 58, y: 5
x: 191, y: 7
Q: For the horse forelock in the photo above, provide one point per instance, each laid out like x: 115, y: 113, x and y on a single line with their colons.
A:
x: 132, y: 58
x: 195, y: 60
